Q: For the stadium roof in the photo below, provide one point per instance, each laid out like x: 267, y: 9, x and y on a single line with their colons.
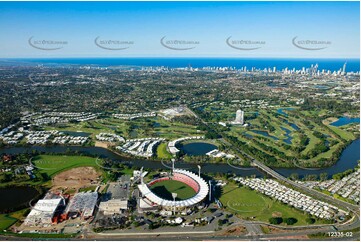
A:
x: 203, y: 192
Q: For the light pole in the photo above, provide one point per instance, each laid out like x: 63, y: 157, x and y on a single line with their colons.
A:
x: 174, y: 195
x: 210, y: 190
x: 141, y: 176
x: 199, y: 170
x: 173, y: 165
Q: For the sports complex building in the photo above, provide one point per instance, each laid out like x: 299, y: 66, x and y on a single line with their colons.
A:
x: 195, y: 182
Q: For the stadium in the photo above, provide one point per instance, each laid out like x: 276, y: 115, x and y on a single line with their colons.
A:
x: 196, y: 190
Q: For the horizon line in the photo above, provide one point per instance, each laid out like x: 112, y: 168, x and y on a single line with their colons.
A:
x: 174, y: 57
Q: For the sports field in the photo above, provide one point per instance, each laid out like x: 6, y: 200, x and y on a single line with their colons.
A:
x: 165, y: 189
x: 53, y: 164
x: 252, y: 205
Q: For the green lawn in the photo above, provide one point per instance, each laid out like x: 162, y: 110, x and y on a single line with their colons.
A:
x: 162, y: 152
x: 6, y: 221
x: 53, y: 164
x: 248, y: 203
x: 165, y: 189
x: 312, y: 143
x: 86, y: 189
x: 342, y: 133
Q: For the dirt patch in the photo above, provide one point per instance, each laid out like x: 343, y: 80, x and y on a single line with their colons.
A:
x: 102, y: 144
x: 235, y: 231
x: 272, y: 230
x: 276, y: 214
x: 329, y: 120
x: 76, y: 178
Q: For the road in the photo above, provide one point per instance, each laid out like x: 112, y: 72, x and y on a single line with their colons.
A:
x: 254, y: 230
x: 354, y: 223
x: 314, y: 193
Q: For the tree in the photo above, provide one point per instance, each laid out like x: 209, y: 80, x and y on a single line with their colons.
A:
x: 151, y: 226
x: 275, y: 220
x: 323, y: 176
x: 290, y: 221
x: 7, y: 177
x: 310, y: 220
x: 294, y: 176
x: 45, y: 177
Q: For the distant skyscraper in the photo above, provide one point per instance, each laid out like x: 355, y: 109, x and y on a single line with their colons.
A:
x: 344, y: 67
x: 239, y: 117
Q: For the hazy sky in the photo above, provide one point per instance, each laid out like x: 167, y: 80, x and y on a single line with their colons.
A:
x: 208, y: 24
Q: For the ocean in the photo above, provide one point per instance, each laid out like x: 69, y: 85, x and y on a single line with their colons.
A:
x: 259, y: 63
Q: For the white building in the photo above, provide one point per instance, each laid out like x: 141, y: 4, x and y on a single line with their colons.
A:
x: 43, y: 212
x: 239, y: 117
x: 114, y: 206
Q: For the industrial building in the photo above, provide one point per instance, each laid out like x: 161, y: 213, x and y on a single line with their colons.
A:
x: 43, y: 213
x: 116, y: 201
x: 82, y: 204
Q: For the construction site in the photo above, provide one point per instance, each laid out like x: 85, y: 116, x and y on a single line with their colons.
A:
x: 56, y: 211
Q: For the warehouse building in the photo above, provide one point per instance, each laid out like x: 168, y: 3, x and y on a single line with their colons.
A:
x: 116, y: 201
x: 42, y: 214
x: 82, y: 204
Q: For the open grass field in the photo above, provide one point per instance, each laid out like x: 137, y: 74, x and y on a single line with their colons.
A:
x: 54, y: 164
x: 6, y: 221
x: 165, y: 189
x: 342, y: 133
x: 162, y: 152
x: 131, y: 129
x: 248, y: 203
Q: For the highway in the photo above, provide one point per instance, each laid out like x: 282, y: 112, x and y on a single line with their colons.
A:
x: 352, y: 224
x: 253, y: 227
x: 314, y: 193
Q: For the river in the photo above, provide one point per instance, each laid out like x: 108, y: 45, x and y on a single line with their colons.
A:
x: 348, y: 160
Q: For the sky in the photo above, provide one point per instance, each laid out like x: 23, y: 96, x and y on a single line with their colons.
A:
x: 136, y: 29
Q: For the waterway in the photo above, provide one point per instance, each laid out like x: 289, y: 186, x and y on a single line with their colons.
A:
x: 348, y: 160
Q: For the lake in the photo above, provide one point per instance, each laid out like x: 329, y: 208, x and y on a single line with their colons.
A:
x: 264, y: 133
x: 345, y: 120
x: 16, y: 197
x: 197, y: 148
x: 280, y: 111
x: 287, y: 140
